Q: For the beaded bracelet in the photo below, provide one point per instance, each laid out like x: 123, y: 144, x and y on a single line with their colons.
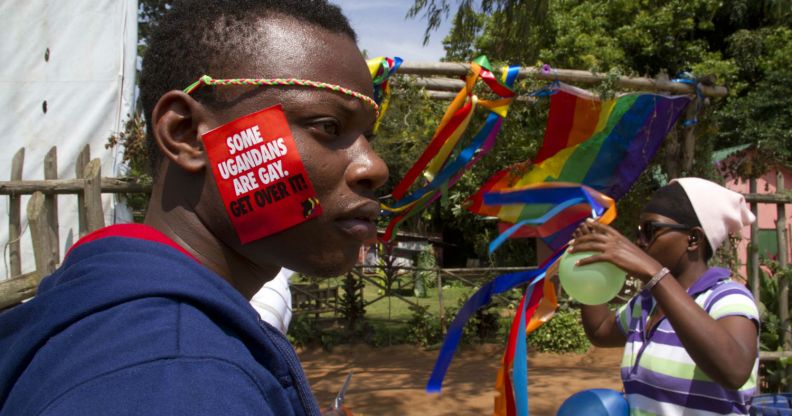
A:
x: 655, y: 279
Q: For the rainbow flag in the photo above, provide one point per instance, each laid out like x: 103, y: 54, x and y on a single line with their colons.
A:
x: 601, y: 144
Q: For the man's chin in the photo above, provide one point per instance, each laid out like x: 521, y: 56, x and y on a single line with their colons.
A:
x: 326, y: 271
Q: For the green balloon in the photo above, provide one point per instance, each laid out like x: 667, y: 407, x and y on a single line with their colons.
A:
x: 592, y: 284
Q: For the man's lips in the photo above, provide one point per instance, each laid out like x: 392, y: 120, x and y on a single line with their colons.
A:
x: 359, y: 221
x: 359, y: 229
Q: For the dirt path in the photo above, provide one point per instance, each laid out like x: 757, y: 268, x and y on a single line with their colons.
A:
x: 390, y: 380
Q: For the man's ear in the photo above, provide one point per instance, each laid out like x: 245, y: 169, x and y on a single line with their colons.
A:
x: 178, y: 122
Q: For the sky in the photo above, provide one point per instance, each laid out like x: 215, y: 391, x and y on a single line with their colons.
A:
x: 383, y: 30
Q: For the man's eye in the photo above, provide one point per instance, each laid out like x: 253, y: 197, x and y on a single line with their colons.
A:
x: 329, y: 127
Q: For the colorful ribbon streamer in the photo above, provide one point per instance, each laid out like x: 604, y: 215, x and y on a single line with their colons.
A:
x: 434, y: 164
x: 381, y: 69
x: 547, y: 208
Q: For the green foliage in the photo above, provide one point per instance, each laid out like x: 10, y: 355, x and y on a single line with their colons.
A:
x: 424, y: 279
x: 562, y: 333
x: 352, y: 302
x: 381, y: 334
x: 774, y: 373
x: 149, y: 12
x: 762, y: 111
x: 423, y: 328
x: 483, y: 326
x: 306, y: 332
x: 745, y: 45
x: 133, y: 138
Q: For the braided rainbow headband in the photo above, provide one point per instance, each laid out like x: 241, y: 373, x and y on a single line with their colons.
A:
x: 207, y: 80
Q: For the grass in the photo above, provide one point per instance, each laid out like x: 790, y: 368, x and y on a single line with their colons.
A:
x: 393, y: 308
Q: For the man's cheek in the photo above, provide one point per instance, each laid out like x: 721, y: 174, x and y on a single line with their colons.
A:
x: 260, y: 176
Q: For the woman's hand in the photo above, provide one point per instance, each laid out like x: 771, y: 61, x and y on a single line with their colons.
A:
x: 613, y: 247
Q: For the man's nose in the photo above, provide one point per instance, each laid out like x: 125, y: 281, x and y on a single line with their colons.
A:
x: 367, y: 170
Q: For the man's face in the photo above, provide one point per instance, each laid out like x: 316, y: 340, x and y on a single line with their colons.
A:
x: 330, y: 130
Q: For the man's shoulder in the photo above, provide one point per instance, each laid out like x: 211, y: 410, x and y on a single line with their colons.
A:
x: 131, y: 348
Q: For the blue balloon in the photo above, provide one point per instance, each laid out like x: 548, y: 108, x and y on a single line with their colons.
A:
x: 595, y: 402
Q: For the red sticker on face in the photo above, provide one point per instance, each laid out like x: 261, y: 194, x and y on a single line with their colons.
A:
x: 260, y: 175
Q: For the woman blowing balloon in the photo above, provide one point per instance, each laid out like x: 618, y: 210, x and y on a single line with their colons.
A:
x: 691, y: 334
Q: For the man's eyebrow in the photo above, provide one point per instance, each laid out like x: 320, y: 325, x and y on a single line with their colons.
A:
x: 350, y: 106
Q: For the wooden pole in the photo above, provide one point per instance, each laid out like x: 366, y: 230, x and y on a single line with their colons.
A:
x: 73, y: 186
x: 448, y: 96
x: 18, y: 289
x: 689, y: 138
x: 440, y: 84
x: 753, y: 246
x: 94, y: 213
x: 15, y: 217
x: 50, y: 173
x: 80, y: 164
x: 783, y: 283
x: 777, y: 198
x: 40, y: 232
x: 671, y: 146
x: 455, y: 69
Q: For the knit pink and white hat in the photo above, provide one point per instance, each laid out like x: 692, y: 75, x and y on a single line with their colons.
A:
x: 719, y: 210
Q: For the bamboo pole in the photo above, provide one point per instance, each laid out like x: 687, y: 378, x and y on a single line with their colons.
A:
x: 753, y: 245
x: 455, y: 69
x: 774, y: 355
x: 777, y: 198
x: 94, y: 213
x: 80, y: 164
x: 446, y: 95
x: 440, y: 84
x: 73, y: 186
x: 15, y: 217
x: 51, y: 173
x: 40, y: 232
x: 783, y: 283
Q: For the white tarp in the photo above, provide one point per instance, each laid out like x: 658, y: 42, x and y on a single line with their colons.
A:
x: 88, y: 83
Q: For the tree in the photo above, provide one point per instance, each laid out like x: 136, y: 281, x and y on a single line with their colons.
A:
x: 740, y: 43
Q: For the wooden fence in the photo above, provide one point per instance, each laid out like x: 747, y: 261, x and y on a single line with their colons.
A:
x: 780, y: 199
x: 42, y: 213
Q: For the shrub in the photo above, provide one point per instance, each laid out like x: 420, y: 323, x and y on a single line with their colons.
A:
x: 562, y: 333
x: 774, y: 374
x: 423, y: 328
x: 305, y: 332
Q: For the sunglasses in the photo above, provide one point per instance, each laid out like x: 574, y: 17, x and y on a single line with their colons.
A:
x: 647, y: 231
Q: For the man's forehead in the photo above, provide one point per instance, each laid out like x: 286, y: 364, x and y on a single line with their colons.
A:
x: 285, y: 47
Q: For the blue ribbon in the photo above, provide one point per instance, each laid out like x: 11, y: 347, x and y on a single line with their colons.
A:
x: 520, y: 366
x: 480, y: 298
x: 690, y: 79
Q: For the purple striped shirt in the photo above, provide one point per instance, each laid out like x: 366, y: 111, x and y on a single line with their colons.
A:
x: 659, y: 376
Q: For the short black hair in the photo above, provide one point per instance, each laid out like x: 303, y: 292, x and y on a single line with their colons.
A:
x: 197, y: 37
